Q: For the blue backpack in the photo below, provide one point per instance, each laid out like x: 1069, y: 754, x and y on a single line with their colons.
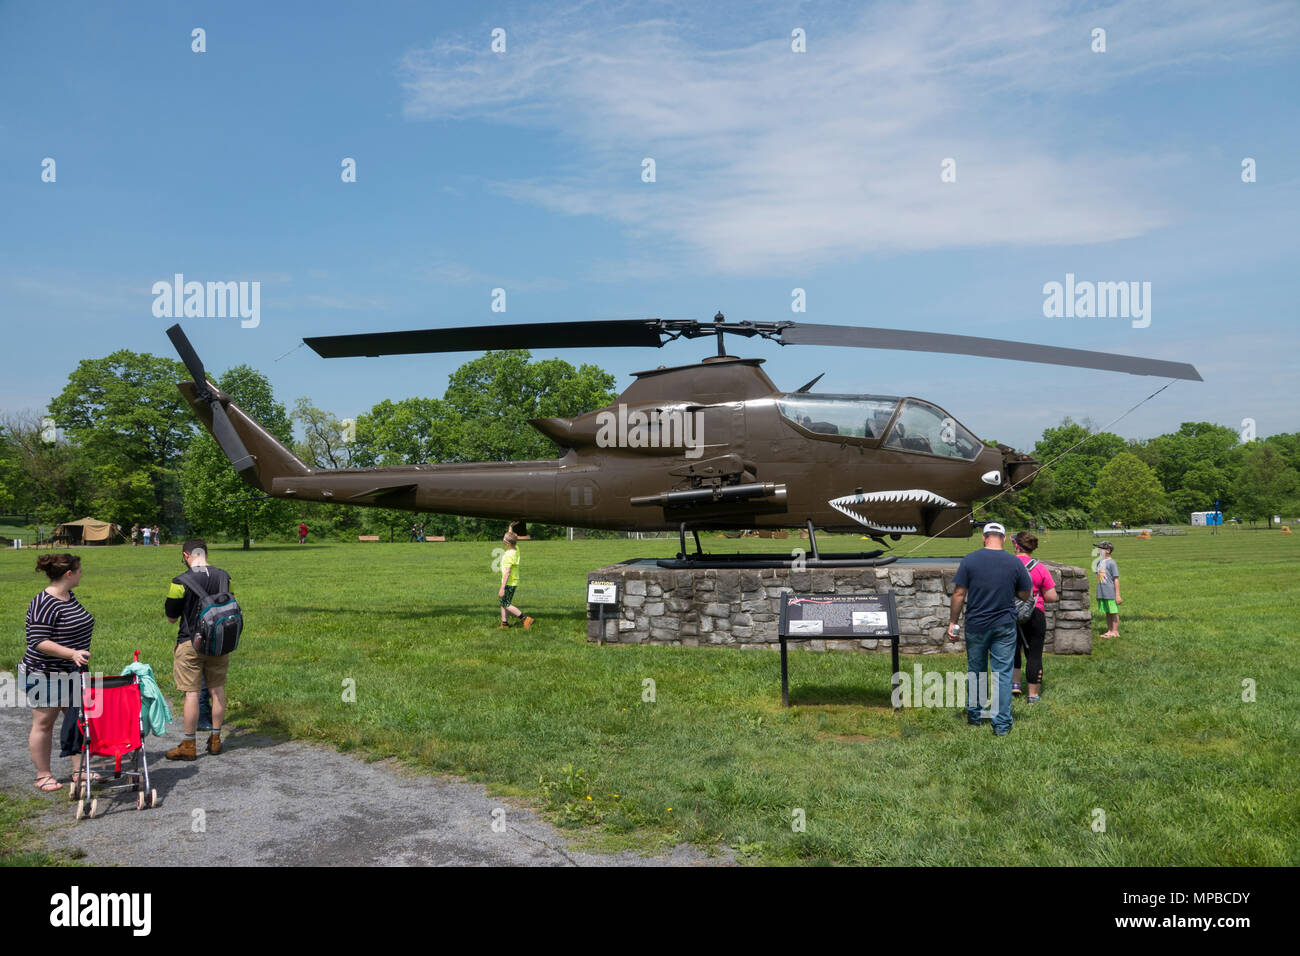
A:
x: 220, y: 622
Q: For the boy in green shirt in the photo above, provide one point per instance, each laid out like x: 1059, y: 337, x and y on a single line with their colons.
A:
x: 510, y: 580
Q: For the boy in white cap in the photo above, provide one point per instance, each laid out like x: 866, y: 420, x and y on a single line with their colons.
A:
x: 1108, y: 599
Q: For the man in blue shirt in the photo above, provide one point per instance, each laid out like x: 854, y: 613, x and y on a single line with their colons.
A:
x: 987, y: 582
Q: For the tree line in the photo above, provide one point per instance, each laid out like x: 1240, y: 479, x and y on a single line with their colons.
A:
x: 131, y: 450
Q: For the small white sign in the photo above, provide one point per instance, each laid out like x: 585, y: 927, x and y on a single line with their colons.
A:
x: 602, y: 592
x: 805, y: 627
x: 870, y: 618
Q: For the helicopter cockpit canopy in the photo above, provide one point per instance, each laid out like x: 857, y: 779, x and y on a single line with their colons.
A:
x: 917, y: 426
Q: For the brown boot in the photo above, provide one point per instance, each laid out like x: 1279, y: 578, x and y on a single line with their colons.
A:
x: 214, y: 744
x: 528, y: 622
x: 184, y: 752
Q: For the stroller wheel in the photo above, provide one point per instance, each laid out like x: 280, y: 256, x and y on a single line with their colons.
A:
x: 153, y: 798
x: 139, y: 801
x: 81, y: 809
x: 94, y: 806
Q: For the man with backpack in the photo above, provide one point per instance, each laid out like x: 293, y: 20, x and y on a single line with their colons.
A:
x: 198, y: 599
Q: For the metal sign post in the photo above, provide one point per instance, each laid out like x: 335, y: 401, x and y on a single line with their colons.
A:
x: 837, y: 616
x: 601, y: 594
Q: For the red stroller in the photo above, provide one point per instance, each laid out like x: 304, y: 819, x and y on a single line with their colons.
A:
x: 110, y: 724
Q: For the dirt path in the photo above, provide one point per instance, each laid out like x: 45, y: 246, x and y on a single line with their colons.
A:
x: 268, y: 802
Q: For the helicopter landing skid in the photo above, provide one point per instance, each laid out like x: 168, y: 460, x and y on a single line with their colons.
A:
x: 869, y: 559
x: 799, y: 561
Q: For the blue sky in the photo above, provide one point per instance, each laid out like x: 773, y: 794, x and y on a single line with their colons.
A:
x: 775, y: 170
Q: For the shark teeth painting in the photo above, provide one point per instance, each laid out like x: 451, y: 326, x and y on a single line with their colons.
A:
x: 850, y: 505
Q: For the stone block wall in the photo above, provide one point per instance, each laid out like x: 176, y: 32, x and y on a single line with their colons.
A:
x: 735, y: 608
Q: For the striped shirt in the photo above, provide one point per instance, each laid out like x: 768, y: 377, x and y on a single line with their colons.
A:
x: 63, y: 622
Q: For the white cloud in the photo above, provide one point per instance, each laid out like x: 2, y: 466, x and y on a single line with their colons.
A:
x: 767, y: 159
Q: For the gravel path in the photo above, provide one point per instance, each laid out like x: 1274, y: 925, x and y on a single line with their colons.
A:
x: 269, y: 802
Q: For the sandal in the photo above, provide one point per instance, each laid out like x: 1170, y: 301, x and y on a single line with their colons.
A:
x: 1032, y: 699
x: 49, y: 785
x: 1015, y: 688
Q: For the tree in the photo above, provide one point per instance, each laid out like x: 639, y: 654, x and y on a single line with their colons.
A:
x: 52, y: 481
x: 1202, y: 484
x: 215, y: 496
x: 1128, y: 490
x: 1191, y: 461
x: 325, y: 443
x: 1264, y: 481
x: 1070, y: 477
x: 491, y: 398
x: 126, y: 413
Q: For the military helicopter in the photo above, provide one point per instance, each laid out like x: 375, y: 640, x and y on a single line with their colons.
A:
x: 709, y: 446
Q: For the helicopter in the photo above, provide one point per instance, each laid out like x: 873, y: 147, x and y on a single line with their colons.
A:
x: 704, y: 447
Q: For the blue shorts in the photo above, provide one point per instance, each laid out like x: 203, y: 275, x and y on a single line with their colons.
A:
x: 52, y: 689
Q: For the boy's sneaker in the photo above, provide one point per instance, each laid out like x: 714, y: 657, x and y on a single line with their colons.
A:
x: 528, y: 622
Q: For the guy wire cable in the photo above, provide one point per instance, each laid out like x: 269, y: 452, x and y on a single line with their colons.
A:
x: 1053, y: 461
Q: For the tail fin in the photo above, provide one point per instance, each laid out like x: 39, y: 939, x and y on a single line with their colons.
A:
x: 271, y: 459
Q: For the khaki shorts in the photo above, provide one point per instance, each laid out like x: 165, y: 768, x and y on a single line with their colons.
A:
x: 189, y: 665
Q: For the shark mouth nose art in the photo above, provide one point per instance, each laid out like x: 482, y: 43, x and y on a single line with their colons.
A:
x: 858, y: 506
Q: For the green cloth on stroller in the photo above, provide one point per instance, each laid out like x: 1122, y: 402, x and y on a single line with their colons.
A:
x: 155, y: 715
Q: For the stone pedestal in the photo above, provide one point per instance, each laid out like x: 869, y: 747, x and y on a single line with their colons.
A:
x: 733, y: 608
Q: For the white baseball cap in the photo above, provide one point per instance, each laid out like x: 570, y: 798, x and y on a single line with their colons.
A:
x: 994, y: 528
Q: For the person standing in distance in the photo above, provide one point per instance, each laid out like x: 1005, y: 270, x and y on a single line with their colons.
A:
x: 987, y: 582
x: 190, y: 668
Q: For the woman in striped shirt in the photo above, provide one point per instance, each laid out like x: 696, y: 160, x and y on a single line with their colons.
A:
x: 58, y: 646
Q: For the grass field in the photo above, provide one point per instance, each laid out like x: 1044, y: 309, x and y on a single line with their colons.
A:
x: 1151, y: 729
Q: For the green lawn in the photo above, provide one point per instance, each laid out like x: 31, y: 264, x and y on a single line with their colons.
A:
x: 1151, y: 729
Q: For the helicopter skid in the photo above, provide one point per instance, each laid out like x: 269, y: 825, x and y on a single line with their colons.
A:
x: 870, y: 559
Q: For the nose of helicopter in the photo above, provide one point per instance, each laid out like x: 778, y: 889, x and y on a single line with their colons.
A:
x: 1019, y: 468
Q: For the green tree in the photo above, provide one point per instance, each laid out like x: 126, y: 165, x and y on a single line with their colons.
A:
x: 491, y: 399
x: 51, y: 481
x: 1202, y: 484
x: 326, y: 442
x: 216, y: 498
x: 1264, y: 481
x: 1129, y: 491
x: 126, y: 413
x: 1074, y: 457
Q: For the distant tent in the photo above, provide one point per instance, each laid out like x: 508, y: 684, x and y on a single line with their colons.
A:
x: 85, y: 531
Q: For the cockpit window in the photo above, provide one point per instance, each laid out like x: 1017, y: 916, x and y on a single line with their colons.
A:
x: 926, y: 428
x: 850, y: 416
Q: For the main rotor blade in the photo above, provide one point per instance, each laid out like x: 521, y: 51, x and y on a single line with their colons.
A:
x: 865, y: 338
x: 614, y: 333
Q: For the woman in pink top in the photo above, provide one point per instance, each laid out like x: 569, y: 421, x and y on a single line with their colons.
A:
x: 1033, y: 632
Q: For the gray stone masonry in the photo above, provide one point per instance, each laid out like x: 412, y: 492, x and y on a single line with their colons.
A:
x: 726, y: 608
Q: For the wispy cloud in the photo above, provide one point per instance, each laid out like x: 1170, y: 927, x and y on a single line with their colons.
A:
x: 772, y: 159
